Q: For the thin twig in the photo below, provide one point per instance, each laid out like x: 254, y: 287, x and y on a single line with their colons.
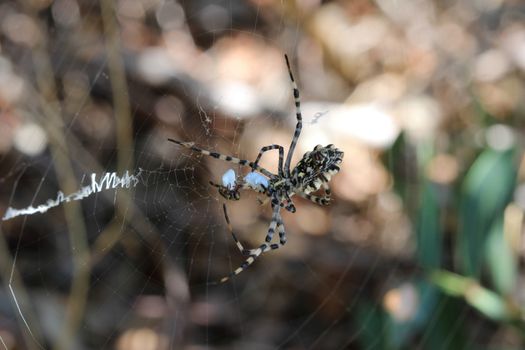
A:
x: 68, y: 184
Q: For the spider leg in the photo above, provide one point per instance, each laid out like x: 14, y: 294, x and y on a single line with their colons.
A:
x: 220, y: 156
x: 252, y: 253
x: 269, y: 148
x: 289, y: 206
x: 230, y: 194
x: 255, y: 253
x: 282, y: 232
x: 244, y: 251
x: 321, y: 200
x: 299, y: 125
x: 273, y: 223
x: 215, y: 185
x: 263, y: 201
x: 235, y: 239
x: 326, y: 188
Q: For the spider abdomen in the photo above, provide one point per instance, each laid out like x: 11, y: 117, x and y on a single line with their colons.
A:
x: 316, y: 168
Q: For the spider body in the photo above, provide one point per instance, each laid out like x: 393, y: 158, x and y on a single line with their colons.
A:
x: 315, y: 168
x: 311, y: 173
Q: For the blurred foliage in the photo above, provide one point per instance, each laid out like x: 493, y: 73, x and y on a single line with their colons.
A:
x: 486, y: 190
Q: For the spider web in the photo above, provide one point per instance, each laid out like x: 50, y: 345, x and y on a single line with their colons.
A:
x: 131, y: 262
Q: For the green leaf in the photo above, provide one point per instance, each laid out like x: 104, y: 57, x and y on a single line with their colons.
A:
x: 501, y: 260
x: 429, y: 230
x: 487, y: 188
x: 444, y: 330
x: 488, y: 303
x: 401, y: 332
x: 433, y: 326
x: 369, y: 318
x: 400, y: 160
x: 451, y: 283
x: 484, y: 300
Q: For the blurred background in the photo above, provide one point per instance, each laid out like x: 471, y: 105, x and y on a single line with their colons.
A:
x: 421, y: 247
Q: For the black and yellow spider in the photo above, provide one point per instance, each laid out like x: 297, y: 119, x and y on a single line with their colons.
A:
x: 311, y: 173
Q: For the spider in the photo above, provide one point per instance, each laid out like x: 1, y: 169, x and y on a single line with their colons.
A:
x: 312, y: 172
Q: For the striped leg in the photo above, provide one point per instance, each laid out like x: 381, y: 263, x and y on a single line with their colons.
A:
x: 324, y: 200
x: 290, y: 207
x: 282, y: 233
x: 321, y: 200
x: 235, y: 239
x: 299, y: 125
x: 251, y: 253
x: 254, y: 254
x: 275, y: 219
x: 226, y: 158
x: 269, y: 148
x: 289, y: 204
x: 244, y: 251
